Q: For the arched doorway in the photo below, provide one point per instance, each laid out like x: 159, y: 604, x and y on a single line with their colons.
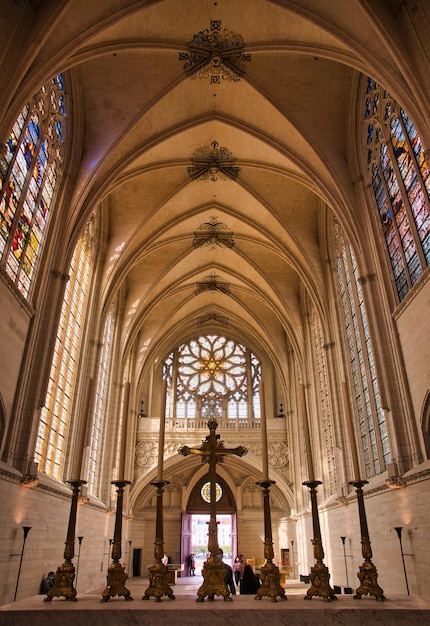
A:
x: 196, y: 516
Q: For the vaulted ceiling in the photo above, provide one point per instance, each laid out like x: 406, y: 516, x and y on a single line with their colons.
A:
x: 286, y: 122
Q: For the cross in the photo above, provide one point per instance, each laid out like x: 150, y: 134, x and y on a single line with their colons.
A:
x: 212, y: 452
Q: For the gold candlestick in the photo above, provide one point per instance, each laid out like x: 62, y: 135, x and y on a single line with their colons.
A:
x: 319, y: 574
x: 65, y: 574
x: 158, y: 573
x: 270, y: 574
x: 117, y: 575
x: 367, y: 575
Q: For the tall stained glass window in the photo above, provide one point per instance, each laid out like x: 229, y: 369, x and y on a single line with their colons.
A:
x: 326, y: 426
x: 372, y: 430
x: 213, y: 376
x: 401, y: 185
x: 56, y: 415
x: 100, y: 406
x: 29, y: 171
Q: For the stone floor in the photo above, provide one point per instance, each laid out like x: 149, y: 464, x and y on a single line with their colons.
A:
x: 242, y: 611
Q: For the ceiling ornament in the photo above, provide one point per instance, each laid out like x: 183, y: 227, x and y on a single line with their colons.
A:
x: 215, y: 53
x: 212, y: 316
x: 213, y: 162
x: 213, y: 234
x: 212, y: 284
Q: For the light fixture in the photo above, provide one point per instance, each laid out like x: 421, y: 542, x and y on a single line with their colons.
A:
x: 213, y: 162
x: 212, y: 284
x: 398, y: 530
x: 141, y: 412
x: 212, y: 316
x: 215, y: 54
x: 26, y: 530
x: 213, y: 234
x: 77, y: 563
x: 347, y: 589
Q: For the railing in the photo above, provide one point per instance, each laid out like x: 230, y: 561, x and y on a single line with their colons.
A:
x: 185, y: 424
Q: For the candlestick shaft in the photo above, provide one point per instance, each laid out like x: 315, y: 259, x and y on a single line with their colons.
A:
x: 82, y: 441
x: 306, y: 433
x: 124, y: 431
x: 162, y: 431
x: 263, y: 426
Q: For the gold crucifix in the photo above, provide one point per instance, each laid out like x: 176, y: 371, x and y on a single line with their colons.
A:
x: 212, y: 452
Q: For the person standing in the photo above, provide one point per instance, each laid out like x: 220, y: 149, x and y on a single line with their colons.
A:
x: 249, y: 583
x: 192, y: 564
x: 237, y: 570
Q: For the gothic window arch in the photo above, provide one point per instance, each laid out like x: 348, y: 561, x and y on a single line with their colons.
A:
x: 372, y: 430
x: 56, y: 415
x: 213, y: 376
x: 29, y: 171
x: 400, y: 177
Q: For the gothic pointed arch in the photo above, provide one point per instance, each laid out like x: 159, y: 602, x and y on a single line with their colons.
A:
x: 199, y: 498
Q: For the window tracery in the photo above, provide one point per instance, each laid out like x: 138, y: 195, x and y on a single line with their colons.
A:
x: 372, y: 429
x: 56, y: 414
x: 213, y: 376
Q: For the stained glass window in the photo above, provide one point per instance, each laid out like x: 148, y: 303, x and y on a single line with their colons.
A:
x: 215, y: 376
x: 29, y: 170
x: 100, y: 406
x: 324, y: 395
x: 401, y: 185
x: 372, y: 428
x: 206, y: 492
x: 55, y: 418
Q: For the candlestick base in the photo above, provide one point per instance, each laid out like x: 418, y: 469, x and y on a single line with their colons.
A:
x: 270, y: 583
x: 319, y: 577
x: 368, y: 577
x: 213, y: 572
x: 115, y: 585
x: 158, y: 576
x: 63, y: 583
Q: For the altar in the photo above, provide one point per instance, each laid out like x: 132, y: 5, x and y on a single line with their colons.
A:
x: 173, y: 569
x: 243, y: 610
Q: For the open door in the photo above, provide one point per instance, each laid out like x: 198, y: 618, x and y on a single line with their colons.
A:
x: 186, y: 539
x: 234, y: 550
x: 137, y: 560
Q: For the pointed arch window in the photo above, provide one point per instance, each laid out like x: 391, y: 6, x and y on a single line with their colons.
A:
x: 213, y: 376
x: 401, y: 185
x: 56, y: 415
x: 29, y: 172
x: 373, y: 435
